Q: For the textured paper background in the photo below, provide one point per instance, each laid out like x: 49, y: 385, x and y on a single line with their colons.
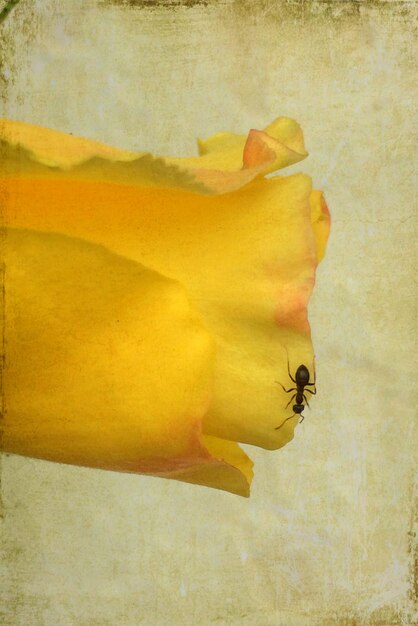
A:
x: 327, y: 536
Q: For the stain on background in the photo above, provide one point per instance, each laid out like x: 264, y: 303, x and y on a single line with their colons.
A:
x: 328, y: 535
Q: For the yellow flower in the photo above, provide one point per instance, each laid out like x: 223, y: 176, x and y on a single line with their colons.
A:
x: 151, y: 303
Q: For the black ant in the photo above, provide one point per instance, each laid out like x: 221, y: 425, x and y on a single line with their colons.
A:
x: 301, y: 381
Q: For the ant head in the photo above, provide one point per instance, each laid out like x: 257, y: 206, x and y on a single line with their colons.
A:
x: 302, y: 375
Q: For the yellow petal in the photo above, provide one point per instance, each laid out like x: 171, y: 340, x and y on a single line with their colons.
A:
x: 53, y: 148
x: 227, y: 162
x: 107, y: 365
x: 247, y: 260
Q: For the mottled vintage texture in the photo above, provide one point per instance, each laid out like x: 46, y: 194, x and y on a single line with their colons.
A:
x: 327, y: 536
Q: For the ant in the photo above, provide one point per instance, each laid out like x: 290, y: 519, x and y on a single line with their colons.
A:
x: 301, y: 381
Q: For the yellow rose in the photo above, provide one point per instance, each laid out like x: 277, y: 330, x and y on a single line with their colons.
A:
x: 151, y: 302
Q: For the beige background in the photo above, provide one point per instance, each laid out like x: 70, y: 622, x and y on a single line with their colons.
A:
x: 326, y: 537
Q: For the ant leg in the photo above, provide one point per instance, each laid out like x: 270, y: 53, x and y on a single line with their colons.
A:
x: 307, y: 403
x: 286, y: 390
x: 314, y: 373
x: 310, y: 390
x: 287, y: 418
x: 288, y: 368
x: 292, y: 398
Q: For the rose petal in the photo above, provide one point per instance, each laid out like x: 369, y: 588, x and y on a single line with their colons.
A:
x: 107, y: 365
x: 247, y: 260
x: 227, y: 162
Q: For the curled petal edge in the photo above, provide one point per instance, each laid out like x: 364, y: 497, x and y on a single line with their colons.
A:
x: 227, y: 161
